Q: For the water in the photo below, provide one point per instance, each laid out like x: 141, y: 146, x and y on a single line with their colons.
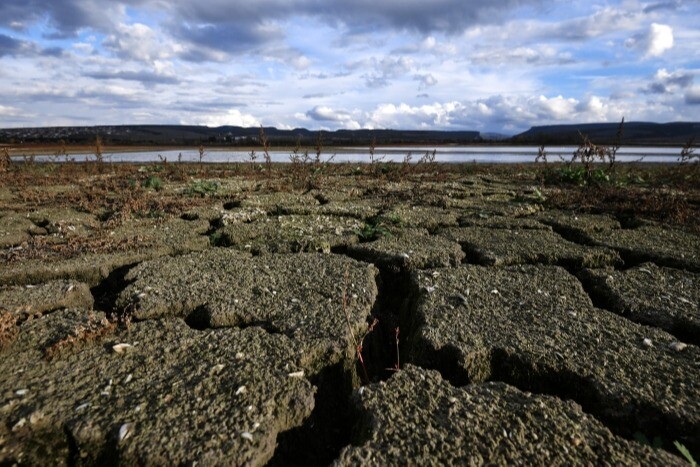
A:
x: 443, y: 154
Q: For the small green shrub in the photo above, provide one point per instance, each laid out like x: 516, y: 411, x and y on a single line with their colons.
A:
x: 153, y: 183
x: 380, y: 226
x: 203, y: 188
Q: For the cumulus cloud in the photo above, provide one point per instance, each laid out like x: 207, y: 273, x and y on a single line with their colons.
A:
x: 141, y: 43
x: 665, y: 82
x: 336, y: 118
x: 660, y: 39
x: 657, y: 40
x: 502, y: 112
x: 232, y: 117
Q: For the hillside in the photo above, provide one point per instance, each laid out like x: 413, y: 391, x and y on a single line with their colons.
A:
x: 605, y: 133
x: 226, y: 135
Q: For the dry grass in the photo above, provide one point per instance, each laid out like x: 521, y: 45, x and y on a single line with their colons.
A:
x: 8, y: 328
x: 93, y: 330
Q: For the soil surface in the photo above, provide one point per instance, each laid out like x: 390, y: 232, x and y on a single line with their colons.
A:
x: 315, y: 315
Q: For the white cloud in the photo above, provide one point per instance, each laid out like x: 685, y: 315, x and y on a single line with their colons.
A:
x: 659, y: 40
x: 232, y: 117
x: 6, y: 111
x: 141, y: 43
x: 337, y: 118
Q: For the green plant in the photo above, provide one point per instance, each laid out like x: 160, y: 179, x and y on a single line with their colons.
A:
x: 686, y: 453
x: 202, y: 188
x: 379, y: 226
x: 153, y: 182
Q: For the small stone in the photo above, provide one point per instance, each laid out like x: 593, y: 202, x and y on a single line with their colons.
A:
x: 125, y: 431
x: 240, y: 390
x: 296, y: 374
x: 647, y: 342
x: 247, y: 435
x: 121, y: 348
x: 17, y: 426
x: 22, y: 392
x: 677, y: 346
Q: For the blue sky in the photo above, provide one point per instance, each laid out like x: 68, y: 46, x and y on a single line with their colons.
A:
x: 498, y: 66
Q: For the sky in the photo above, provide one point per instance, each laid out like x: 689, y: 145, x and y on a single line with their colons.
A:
x: 492, y: 66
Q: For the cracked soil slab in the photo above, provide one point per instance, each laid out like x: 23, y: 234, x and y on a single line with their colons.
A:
x: 299, y: 295
x: 176, y: 396
x: 535, y: 327
x: 420, y: 417
x: 501, y: 247
x: 656, y: 296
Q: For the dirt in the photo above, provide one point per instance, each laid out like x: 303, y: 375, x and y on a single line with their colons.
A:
x: 335, y: 314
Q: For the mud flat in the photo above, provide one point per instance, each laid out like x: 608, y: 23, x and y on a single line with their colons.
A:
x: 353, y: 316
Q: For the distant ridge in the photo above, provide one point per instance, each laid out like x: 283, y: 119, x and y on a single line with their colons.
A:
x: 227, y: 135
x: 605, y: 133
x: 636, y: 133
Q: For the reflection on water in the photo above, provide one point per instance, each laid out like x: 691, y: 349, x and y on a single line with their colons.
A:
x: 479, y: 154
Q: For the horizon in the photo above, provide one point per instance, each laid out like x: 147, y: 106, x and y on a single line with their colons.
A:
x: 450, y: 65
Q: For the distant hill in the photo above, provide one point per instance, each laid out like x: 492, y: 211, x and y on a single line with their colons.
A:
x: 226, y: 135
x: 605, y: 133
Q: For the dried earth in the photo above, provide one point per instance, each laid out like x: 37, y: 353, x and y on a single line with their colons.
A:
x: 434, y: 319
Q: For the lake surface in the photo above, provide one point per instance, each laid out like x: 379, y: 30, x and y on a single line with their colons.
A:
x: 443, y: 154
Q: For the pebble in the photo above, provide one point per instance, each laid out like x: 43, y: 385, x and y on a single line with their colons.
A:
x: 125, y: 431
x: 121, y: 348
x: 677, y: 346
x: 647, y: 342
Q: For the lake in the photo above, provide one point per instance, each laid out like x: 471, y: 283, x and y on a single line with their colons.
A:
x: 444, y: 154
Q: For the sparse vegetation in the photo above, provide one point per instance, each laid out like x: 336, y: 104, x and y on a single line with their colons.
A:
x: 379, y: 227
x: 153, y: 183
x: 5, y: 160
x: 688, y: 152
x: 203, y: 188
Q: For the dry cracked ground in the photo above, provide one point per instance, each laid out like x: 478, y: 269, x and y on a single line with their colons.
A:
x: 224, y: 328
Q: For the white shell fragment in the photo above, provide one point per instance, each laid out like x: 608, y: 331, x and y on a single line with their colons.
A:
x: 22, y: 392
x: 121, y: 348
x: 247, y: 435
x: 296, y: 374
x: 128, y: 378
x: 677, y: 346
x: 216, y: 369
x: 647, y: 342
x: 240, y: 390
x: 125, y: 431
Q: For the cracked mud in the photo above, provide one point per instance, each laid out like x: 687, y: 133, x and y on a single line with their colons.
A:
x: 450, y: 320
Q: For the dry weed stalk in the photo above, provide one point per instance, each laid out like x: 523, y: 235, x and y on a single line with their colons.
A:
x: 5, y: 160
x: 266, y: 152
x: 358, y: 344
